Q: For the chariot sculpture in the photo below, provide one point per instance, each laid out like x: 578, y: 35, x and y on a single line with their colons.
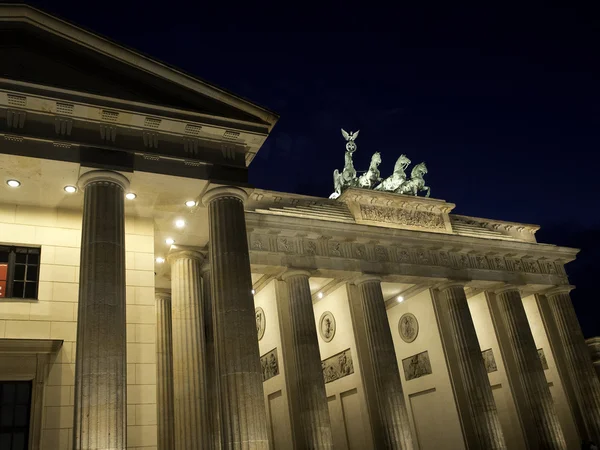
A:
x: 371, y: 178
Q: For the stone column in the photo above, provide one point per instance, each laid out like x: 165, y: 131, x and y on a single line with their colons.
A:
x: 243, y: 416
x: 100, y: 418
x: 469, y: 378
x: 389, y: 418
x: 308, y: 397
x: 189, y: 350
x: 509, y: 313
x: 578, y: 361
x: 164, y: 372
x: 594, y: 346
x: 214, y: 406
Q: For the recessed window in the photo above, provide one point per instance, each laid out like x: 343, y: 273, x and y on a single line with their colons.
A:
x: 15, y: 405
x: 19, y: 272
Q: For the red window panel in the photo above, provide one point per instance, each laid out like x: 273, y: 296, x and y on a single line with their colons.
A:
x: 3, y: 272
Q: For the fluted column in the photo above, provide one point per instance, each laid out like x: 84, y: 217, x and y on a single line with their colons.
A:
x: 594, y: 347
x: 212, y: 378
x: 243, y: 416
x: 546, y: 432
x: 100, y: 418
x: 578, y: 361
x: 309, y: 400
x: 475, y: 399
x: 390, y: 421
x: 164, y: 372
x: 189, y: 350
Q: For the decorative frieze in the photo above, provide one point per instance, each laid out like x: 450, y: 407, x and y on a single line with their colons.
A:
x: 338, y: 366
x: 380, y: 253
x: 269, y: 364
x: 489, y: 360
x: 417, y: 366
x: 411, y: 218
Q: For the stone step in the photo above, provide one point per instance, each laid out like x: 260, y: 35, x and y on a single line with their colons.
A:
x: 466, y: 230
x: 303, y: 215
x: 343, y: 213
x: 325, y: 207
x: 322, y: 215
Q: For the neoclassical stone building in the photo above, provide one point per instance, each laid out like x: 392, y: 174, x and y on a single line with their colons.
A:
x: 151, y: 299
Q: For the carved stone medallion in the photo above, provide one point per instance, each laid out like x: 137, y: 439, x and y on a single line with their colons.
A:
x: 408, y: 327
x: 327, y: 326
x: 261, y: 322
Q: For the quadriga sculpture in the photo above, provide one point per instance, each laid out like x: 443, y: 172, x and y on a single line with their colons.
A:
x: 416, y: 182
x: 394, y: 181
x: 371, y: 177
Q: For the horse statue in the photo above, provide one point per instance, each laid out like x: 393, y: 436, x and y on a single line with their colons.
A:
x: 393, y: 182
x: 348, y: 176
x: 371, y: 177
x: 416, y: 182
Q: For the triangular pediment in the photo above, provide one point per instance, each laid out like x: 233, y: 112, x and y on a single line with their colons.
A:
x: 40, y: 49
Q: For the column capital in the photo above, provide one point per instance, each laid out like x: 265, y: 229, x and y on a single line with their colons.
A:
x: 163, y: 294
x: 95, y: 176
x: 291, y: 272
x: 224, y: 191
x: 450, y: 284
x: 564, y: 289
x: 366, y: 279
x: 183, y: 252
x: 506, y: 288
x: 205, y: 267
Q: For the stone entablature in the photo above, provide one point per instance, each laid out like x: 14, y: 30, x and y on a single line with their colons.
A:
x: 153, y: 130
x: 388, y: 210
x: 278, y: 240
x: 502, y: 229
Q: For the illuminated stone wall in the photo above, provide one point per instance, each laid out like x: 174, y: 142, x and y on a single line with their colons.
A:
x: 54, y: 316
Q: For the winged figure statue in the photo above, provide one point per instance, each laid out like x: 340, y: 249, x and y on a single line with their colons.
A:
x: 347, y: 177
x: 351, y: 137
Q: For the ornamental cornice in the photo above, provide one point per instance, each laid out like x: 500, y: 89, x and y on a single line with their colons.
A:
x: 157, y: 131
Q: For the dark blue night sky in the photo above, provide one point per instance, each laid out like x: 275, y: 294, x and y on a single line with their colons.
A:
x: 503, y: 104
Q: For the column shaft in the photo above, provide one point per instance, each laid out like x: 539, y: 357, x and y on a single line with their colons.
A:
x: 539, y: 405
x: 243, y: 416
x: 309, y: 400
x: 189, y: 350
x: 391, y: 424
x: 214, y: 406
x: 475, y: 400
x: 100, y: 367
x: 579, y: 363
x: 164, y: 373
